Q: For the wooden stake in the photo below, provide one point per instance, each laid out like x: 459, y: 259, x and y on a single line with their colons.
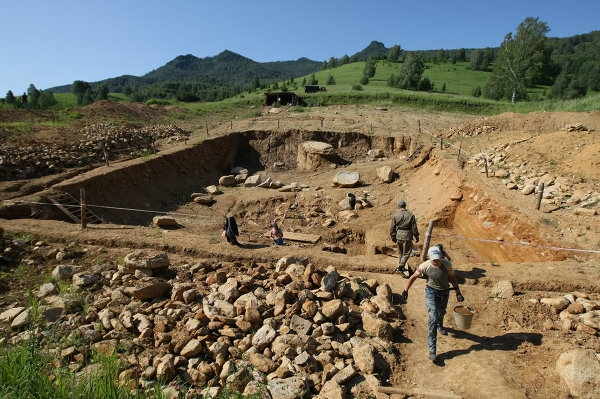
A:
x: 540, y: 195
x: 82, y: 208
x: 486, y: 168
x: 427, y: 241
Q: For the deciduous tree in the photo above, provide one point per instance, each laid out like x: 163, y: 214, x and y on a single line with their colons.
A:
x: 412, y: 71
x: 520, y: 58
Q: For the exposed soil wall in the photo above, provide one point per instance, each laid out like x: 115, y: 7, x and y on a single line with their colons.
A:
x: 162, y: 182
x: 165, y: 181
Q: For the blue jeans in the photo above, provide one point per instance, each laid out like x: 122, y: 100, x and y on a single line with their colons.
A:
x: 278, y: 242
x: 436, y: 302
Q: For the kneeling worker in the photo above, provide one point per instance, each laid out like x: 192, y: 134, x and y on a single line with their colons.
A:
x: 439, y: 274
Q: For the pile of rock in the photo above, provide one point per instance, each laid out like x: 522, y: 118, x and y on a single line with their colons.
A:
x: 471, y: 129
x: 577, y: 312
x: 286, y: 328
x: 522, y: 176
x: 577, y: 127
x: 101, y: 140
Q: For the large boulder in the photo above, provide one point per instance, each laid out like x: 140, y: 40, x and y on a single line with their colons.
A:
x: 385, y: 173
x: 580, y: 370
x: 345, y: 178
x: 313, y: 154
x: 140, y: 259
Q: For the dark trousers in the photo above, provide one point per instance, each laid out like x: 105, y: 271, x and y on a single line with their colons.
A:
x: 404, y: 252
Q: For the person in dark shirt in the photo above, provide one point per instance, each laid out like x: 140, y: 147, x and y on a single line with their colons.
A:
x: 230, y: 231
x: 402, y: 230
x: 352, y: 200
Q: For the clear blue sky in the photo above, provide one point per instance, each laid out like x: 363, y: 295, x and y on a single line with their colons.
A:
x: 51, y: 43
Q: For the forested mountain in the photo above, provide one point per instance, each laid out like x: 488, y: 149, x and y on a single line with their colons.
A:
x: 570, y: 65
x: 375, y: 49
x: 225, y: 69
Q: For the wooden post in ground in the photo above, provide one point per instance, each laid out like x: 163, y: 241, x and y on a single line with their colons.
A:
x: 427, y: 241
x: 207, y: 130
x: 441, y: 143
x: 419, y: 124
x: 486, y: 168
x: 82, y: 207
x: 539, y: 196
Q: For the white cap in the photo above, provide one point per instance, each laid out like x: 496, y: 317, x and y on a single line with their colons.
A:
x: 434, y: 253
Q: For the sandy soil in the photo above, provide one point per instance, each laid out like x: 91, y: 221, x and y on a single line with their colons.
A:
x: 513, y: 344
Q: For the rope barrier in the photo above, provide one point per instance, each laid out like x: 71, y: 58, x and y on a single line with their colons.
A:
x: 100, y: 206
x: 548, y: 247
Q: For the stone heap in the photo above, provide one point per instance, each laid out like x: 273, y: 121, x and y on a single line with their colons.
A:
x: 577, y: 311
x: 523, y: 175
x: 284, y: 329
x: 117, y: 141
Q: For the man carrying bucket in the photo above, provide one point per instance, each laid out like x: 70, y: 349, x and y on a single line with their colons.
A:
x: 439, y: 274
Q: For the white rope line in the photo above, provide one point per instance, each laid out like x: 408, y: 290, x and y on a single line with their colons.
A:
x: 139, y: 210
x: 101, y: 206
x: 428, y: 235
x: 521, y: 243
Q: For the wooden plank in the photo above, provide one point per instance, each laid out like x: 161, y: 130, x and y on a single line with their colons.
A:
x: 419, y: 391
x: 65, y: 210
x: 299, y: 237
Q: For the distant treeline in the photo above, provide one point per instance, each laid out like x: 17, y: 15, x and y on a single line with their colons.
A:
x: 570, y: 66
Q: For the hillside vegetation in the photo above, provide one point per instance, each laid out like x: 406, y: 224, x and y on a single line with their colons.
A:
x: 473, y: 79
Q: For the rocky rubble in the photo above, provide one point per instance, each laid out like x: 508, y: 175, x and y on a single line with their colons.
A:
x: 522, y: 175
x: 101, y: 140
x: 287, y: 329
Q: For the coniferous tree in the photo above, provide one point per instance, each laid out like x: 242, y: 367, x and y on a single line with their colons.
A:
x: 10, y: 98
x: 102, y: 93
x: 332, y: 63
x: 79, y: 88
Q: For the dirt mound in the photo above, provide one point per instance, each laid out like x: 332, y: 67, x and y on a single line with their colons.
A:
x: 133, y: 112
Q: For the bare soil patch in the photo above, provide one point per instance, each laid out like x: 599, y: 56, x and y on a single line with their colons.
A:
x: 513, y: 344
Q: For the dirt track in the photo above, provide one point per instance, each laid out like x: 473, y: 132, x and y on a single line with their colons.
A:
x: 511, y: 350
